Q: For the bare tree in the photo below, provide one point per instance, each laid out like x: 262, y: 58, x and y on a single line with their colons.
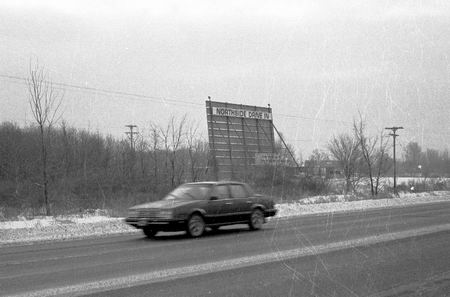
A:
x: 345, y: 149
x: 164, y: 135
x: 141, y: 147
x: 44, y: 103
x: 317, y: 156
x: 367, y: 146
x: 196, y: 152
x: 155, y: 148
x: 173, y: 136
x: 177, y: 135
x: 382, y: 160
x: 373, y: 151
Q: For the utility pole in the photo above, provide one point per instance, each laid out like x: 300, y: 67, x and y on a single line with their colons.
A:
x: 131, y: 134
x: 394, y: 135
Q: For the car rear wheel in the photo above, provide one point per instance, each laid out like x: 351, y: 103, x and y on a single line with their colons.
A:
x: 195, y: 226
x: 150, y: 233
x: 256, y: 219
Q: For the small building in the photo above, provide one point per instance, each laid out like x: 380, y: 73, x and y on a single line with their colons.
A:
x: 325, y: 168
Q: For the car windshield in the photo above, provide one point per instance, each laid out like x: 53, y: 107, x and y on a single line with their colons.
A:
x: 189, y: 192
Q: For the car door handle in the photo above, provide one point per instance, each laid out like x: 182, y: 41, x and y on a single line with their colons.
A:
x: 249, y: 201
x: 228, y: 203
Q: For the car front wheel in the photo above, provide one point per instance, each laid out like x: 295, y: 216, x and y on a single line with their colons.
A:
x: 150, y: 233
x: 195, y: 226
x: 256, y: 219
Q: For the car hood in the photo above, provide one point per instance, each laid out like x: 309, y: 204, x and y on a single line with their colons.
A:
x: 162, y: 204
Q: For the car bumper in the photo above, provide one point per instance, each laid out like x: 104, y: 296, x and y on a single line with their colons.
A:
x: 270, y: 212
x: 156, y: 224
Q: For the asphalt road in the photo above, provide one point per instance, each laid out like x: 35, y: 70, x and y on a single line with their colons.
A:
x: 388, y: 252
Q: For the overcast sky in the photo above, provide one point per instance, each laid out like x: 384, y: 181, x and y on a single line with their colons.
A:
x: 316, y: 62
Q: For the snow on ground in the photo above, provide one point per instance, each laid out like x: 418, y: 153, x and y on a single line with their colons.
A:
x: 321, y: 204
x: 76, y: 226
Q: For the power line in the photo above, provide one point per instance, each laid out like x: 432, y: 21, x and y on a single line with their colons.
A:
x: 157, y: 99
x: 99, y: 90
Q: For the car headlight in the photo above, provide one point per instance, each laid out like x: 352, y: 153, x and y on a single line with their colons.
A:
x: 165, y: 214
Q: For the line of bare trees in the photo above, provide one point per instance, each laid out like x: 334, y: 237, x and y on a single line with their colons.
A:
x: 365, y: 159
x: 87, y: 170
x: 424, y: 163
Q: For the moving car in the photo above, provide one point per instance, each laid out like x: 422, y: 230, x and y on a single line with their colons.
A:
x: 194, y: 206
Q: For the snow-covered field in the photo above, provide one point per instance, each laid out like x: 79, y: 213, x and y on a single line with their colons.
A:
x: 72, y: 227
x: 409, y: 180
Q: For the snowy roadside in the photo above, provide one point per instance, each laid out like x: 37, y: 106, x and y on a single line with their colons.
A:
x: 316, y: 205
x: 75, y: 227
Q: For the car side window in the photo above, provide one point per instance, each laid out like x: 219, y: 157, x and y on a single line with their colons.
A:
x: 221, y: 192
x: 249, y: 190
x: 238, y: 191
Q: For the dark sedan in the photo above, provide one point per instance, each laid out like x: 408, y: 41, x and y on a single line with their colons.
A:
x: 194, y: 206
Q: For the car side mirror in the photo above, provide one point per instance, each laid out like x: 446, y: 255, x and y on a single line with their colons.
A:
x: 214, y: 198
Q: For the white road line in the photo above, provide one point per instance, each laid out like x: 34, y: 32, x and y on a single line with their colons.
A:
x: 194, y: 270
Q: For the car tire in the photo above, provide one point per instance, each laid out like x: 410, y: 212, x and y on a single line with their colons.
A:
x: 195, y: 226
x: 150, y: 233
x: 256, y: 219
